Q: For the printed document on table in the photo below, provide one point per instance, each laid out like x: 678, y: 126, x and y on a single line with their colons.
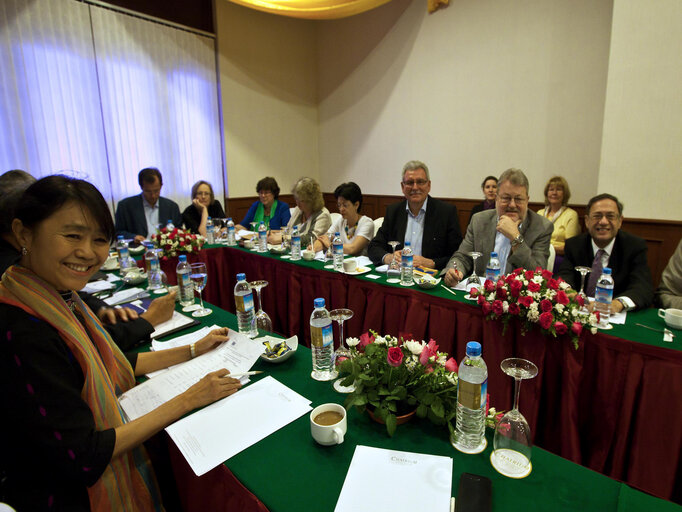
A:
x: 212, y: 435
x: 425, y: 482
x: 177, y: 321
x: 237, y: 355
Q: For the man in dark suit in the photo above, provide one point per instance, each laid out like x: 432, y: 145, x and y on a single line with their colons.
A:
x: 518, y: 235
x: 431, y: 226
x: 605, y: 245
x: 137, y: 217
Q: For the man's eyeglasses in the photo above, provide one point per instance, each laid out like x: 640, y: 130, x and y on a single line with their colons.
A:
x: 412, y: 183
x: 509, y: 199
x: 610, y: 216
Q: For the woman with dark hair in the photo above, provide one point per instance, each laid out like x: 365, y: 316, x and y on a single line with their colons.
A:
x: 204, y: 205
x: 268, y: 209
x: 565, y: 219
x: 65, y: 444
x: 356, y: 230
x: 489, y: 187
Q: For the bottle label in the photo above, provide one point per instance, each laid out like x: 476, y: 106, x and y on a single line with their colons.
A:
x: 153, y: 265
x: 123, y: 252
x: 184, y: 279
x: 604, y: 295
x: 407, y: 260
x: 472, y: 396
x: 338, y: 248
x: 321, y: 336
x: 492, y: 273
x: 244, y: 303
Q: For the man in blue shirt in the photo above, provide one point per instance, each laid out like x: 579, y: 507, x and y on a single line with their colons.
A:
x: 138, y: 217
x: 431, y: 225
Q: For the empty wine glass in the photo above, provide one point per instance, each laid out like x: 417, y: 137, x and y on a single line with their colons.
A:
x: 254, y: 237
x: 343, y: 352
x: 583, y: 272
x: 393, y: 273
x: 512, y: 443
x: 329, y: 254
x: 198, y: 275
x: 263, y: 322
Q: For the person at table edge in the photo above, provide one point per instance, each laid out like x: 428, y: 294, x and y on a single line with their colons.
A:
x: 519, y: 236
x: 123, y: 324
x: 204, y: 205
x: 137, y: 217
x: 268, y: 208
x: 431, y: 225
x: 669, y: 292
x: 625, y: 254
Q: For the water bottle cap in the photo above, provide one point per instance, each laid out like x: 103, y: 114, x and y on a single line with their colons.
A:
x: 262, y: 222
x: 319, y: 303
x: 170, y: 221
x: 338, y: 233
x: 229, y: 219
x: 119, y: 237
x: 183, y: 258
x: 493, y: 254
x: 606, y: 270
x: 241, y: 277
x: 407, y: 243
x: 208, y: 218
x: 473, y: 349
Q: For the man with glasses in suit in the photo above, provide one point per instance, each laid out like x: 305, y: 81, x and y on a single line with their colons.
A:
x: 519, y: 236
x: 606, y: 245
x: 431, y: 225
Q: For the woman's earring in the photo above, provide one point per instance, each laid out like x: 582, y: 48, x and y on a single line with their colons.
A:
x: 24, y: 251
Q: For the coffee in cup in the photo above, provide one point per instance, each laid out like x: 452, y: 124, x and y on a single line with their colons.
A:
x: 350, y: 265
x: 328, y: 424
x: 672, y: 317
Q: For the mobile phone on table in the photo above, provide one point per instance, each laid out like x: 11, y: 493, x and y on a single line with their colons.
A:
x: 474, y: 494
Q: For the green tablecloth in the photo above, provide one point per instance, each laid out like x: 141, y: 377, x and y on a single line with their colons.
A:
x: 288, y: 471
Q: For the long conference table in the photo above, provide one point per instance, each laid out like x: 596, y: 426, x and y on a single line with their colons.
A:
x: 606, y: 406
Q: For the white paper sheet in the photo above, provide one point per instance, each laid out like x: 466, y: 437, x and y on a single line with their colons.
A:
x: 126, y: 295
x: 184, y: 340
x: 212, y: 435
x: 237, y: 355
x: 98, y: 286
x: 176, y: 321
x: 363, y: 261
x: 424, y: 482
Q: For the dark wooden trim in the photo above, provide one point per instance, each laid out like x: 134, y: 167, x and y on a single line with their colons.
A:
x: 662, y: 236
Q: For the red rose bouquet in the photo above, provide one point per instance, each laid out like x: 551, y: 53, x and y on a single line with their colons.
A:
x: 175, y: 241
x: 535, y: 297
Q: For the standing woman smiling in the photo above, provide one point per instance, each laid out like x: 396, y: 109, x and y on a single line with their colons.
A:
x: 64, y: 442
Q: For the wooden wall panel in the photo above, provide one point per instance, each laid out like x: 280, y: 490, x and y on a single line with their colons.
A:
x: 662, y: 236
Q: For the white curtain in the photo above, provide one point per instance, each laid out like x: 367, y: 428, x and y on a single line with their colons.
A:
x: 106, y: 94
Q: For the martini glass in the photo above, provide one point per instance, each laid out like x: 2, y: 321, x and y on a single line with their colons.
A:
x: 254, y: 230
x: 263, y: 322
x: 198, y: 275
x: 393, y: 273
x: 512, y: 444
x: 343, y: 352
x: 583, y: 272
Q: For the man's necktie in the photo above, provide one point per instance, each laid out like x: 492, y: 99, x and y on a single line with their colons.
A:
x: 594, y: 273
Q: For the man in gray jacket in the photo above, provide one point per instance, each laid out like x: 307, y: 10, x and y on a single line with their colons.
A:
x: 520, y: 237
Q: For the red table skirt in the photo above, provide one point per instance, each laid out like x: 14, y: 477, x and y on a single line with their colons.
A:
x: 605, y: 406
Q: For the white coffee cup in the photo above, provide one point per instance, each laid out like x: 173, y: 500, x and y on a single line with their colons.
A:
x: 672, y: 317
x: 350, y: 264
x: 328, y: 435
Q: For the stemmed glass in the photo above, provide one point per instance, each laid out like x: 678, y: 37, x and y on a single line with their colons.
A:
x: 583, y: 272
x: 393, y: 272
x: 198, y: 275
x: 263, y: 322
x: 343, y: 352
x: 512, y: 444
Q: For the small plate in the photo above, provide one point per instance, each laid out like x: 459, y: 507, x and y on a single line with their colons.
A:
x: 293, y: 345
x: 358, y: 271
x: 136, y: 250
x: 110, y: 265
x: 134, y: 277
x: 277, y: 249
x: 427, y: 283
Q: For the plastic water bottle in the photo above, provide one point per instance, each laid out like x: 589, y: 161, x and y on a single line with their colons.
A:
x: 151, y: 260
x: 337, y: 251
x: 262, y: 237
x: 406, y: 277
x: 243, y: 300
x: 231, y: 239
x: 295, y: 245
x: 210, y: 231
x: 472, y: 388
x: 169, y: 225
x: 322, y: 343
x: 124, y: 260
x: 492, y: 271
x: 184, y: 282
x: 603, y: 295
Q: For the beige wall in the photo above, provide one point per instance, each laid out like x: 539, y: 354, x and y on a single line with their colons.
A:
x: 641, y: 159
x: 471, y: 90
x: 268, y: 79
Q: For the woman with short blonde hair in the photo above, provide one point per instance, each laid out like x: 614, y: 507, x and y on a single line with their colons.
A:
x: 565, y: 219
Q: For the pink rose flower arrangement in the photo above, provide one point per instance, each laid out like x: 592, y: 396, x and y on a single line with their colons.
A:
x: 175, y: 241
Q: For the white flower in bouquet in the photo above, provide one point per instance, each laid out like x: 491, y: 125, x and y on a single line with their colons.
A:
x: 352, y: 342
x: 415, y: 347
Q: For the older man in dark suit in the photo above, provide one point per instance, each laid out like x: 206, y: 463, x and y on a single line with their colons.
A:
x: 606, y: 245
x: 518, y: 235
x: 137, y: 217
x: 431, y: 226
